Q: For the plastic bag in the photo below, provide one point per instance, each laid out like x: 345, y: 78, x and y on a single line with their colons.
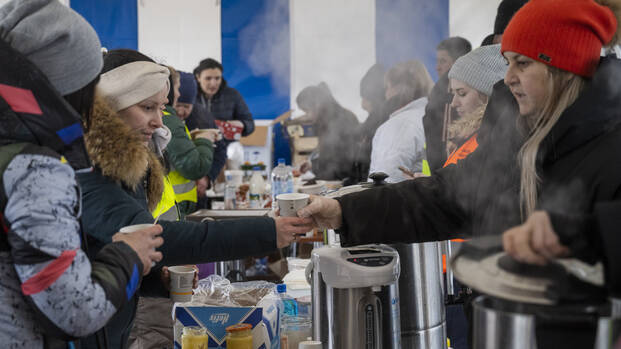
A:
x: 218, y: 291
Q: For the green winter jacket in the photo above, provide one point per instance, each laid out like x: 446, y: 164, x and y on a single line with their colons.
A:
x: 192, y: 158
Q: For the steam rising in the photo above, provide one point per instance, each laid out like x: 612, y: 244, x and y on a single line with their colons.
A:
x: 265, y: 45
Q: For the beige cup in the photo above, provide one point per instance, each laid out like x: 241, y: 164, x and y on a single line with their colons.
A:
x: 132, y: 228
x: 290, y: 203
x: 181, y: 281
x: 310, y: 345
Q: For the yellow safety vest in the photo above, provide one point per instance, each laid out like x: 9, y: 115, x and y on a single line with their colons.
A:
x: 426, y: 168
x: 183, y: 189
x: 167, y: 207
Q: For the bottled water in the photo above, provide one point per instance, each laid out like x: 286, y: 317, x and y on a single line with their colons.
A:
x: 257, y: 188
x: 290, y: 306
x: 282, y: 181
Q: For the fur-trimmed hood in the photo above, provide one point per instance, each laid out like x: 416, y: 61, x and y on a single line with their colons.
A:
x: 119, y: 153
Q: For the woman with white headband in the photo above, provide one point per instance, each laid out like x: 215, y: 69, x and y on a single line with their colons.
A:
x: 126, y: 184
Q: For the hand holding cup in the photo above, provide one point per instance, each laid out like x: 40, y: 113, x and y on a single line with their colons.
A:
x: 288, y: 224
x: 212, y: 134
x: 143, y: 239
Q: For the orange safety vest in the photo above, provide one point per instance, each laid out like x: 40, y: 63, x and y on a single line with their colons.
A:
x: 463, y: 151
x: 460, y: 154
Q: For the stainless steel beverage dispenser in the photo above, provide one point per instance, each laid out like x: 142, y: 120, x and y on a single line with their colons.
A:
x: 423, y: 323
x: 355, y: 297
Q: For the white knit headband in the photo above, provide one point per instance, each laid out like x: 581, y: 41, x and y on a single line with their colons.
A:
x: 132, y: 83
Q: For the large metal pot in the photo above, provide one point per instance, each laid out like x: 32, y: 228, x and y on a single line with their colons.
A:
x: 558, y: 305
x: 423, y: 323
x: 513, y: 325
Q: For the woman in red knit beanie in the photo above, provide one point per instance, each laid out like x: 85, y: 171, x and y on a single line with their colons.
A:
x: 569, y: 102
x: 553, y: 51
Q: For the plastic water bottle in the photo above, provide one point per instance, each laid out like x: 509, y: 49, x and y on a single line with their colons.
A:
x: 282, y: 181
x: 257, y: 188
x: 290, y: 305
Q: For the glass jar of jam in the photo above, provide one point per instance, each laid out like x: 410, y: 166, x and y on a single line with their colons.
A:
x: 194, y: 337
x: 239, y: 336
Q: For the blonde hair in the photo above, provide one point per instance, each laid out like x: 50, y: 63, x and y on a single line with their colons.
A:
x: 563, y: 89
x: 424, y: 81
x: 410, y: 79
x: 176, y: 77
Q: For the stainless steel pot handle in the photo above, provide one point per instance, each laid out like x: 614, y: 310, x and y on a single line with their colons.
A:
x: 308, y: 272
x: 450, y: 287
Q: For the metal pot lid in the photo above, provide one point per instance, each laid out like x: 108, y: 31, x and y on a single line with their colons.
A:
x: 378, y: 180
x: 345, y: 190
x: 487, y: 269
x: 486, y: 277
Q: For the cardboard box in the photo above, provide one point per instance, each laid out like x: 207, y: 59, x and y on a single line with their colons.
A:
x: 265, y: 322
x: 258, y: 145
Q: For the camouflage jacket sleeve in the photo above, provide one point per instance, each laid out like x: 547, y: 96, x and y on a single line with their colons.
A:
x: 69, y: 293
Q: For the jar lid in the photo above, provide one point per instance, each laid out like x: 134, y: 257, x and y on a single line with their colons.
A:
x: 239, y: 328
x: 194, y: 330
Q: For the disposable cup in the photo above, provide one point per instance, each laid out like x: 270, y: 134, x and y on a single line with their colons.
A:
x: 310, y: 345
x: 181, y: 281
x: 135, y: 227
x: 290, y: 203
x: 132, y: 228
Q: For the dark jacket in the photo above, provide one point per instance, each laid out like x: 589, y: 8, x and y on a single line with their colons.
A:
x: 435, y: 122
x: 200, y: 118
x: 227, y: 104
x: 191, y: 158
x: 336, y: 128
x: 362, y: 146
x: 578, y: 164
x: 123, y: 189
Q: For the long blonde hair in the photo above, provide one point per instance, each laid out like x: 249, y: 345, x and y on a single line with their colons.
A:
x: 563, y: 89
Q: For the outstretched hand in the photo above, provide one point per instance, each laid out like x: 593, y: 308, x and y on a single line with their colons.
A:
x: 325, y: 212
x: 288, y: 228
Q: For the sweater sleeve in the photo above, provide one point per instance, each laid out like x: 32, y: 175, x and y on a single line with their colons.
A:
x: 108, y: 208
x: 192, y: 159
x: 194, y: 243
x: 219, y: 159
x: 416, y: 210
x: 69, y: 293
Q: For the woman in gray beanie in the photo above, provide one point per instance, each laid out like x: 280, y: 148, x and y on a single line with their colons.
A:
x: 471, y: 79
x: 51, y: 290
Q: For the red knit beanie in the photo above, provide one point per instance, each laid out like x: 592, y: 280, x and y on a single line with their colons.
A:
x: 567, y: 34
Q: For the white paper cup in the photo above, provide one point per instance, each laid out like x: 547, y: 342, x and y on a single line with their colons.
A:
x: 290, y: 203
x: 132, y: 228
x: 181, y: 281
x: 310, y: 345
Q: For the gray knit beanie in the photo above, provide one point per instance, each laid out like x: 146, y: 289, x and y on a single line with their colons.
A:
x: 56, y: 39
x: 480, y: 69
